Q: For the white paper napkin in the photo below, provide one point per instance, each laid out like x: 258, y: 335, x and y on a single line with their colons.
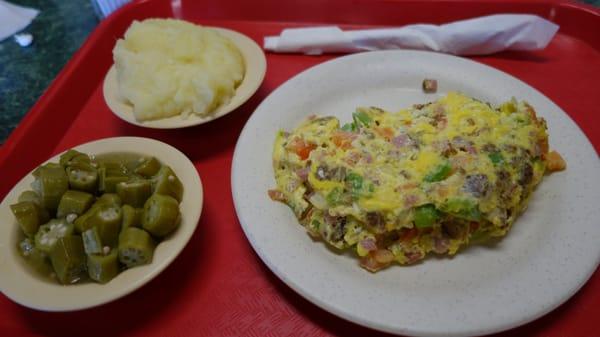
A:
x: 478, y: 36
x: 14, y: 18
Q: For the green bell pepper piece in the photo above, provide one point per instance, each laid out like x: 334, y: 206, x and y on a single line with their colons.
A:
x: 425, y: 216
x: 439, y: 173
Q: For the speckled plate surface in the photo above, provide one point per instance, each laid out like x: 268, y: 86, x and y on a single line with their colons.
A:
x: 24, y: 286
x: 549, y: 254
x: 255, y: 64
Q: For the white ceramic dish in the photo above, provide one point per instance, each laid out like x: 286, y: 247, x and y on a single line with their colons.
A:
x: 256, y: 67
x: 29, y: 289
x: 549, y: 254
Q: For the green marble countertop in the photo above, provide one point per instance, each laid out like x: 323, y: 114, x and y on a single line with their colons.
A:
x: 58, y: 31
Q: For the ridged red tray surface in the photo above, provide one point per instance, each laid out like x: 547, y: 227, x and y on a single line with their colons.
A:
x: 218, y: 286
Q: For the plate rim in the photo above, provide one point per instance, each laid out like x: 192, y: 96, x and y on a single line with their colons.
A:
x: 346, y: 314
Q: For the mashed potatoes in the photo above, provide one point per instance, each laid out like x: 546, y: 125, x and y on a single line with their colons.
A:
x: 169, y: 67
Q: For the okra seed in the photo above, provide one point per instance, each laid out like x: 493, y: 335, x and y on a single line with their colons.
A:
x: 106, y: 250
x: 171, y: 178
x: 71, y: 217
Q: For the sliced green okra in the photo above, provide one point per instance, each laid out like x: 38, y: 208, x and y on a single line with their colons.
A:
x: 74, y: 202
x: 161, y: 215
x: 83, y: 177
x: 106, y: 200
x: 73, y: 156
x: 107, y: 219
x: 109, y: 176
x: 48, y: 234
x: 103, y: 268
x: 166, y: 183
x: 30, y: 196
x: 132, y: 217
x: 110, y: 199
x: 35, y: 258
x: 134, y: 192
x: 50, y: 183
x: 29, y: 216
x: 92, y: 244
x: 68, y: 259
x: 136, y: 247
x: 148, y: 167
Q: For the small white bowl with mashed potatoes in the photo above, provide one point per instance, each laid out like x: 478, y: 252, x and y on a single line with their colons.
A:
x: 170, y: 73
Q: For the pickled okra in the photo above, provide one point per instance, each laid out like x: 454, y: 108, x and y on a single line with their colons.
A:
x: 109, y: 210
x: 132, y: 217
x: 48, y: 234
x: 110, y: 199
x: 135, y: 192
x: 35, y: 258
x: 147, y: 167
x: 30, y: 196
x: 73, y: 156
x: 29, y: 216
x: 161, y: 215
x: 167, y: 183
x: 106, y: 218
x: 107, y: 199
x: 136, y: 247
x: 103, y: 268
x: 109, y: 176
x: 74, y: 202
x: 82, y: 177
x: 92, y: 244
x: 68, y: 259
x: 50, y: 183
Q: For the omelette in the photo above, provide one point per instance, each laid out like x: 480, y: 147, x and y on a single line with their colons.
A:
x: 397, y: 186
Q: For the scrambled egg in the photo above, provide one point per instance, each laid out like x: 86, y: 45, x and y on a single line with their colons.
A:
x: 397, y: 186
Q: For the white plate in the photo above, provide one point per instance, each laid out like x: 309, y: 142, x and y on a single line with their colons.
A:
x: 27, y: 288
x: 255, y: 64
x: 548, y: 255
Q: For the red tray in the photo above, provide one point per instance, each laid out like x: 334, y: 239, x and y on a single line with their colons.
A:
x: 218, y: 286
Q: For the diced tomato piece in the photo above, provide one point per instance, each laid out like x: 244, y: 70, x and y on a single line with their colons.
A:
x: 276, y: 195
x: 301, y: 148
x: 554, y: 162
x: 386, y: 132
x: 408, y: 234
x: 343, y: 139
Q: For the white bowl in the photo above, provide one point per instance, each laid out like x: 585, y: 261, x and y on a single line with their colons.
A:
x: 255, y: 64
x: 32, y: 290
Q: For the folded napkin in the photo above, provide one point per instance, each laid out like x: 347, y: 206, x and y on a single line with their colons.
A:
x: 14, y: 18
x: 483, y: 35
